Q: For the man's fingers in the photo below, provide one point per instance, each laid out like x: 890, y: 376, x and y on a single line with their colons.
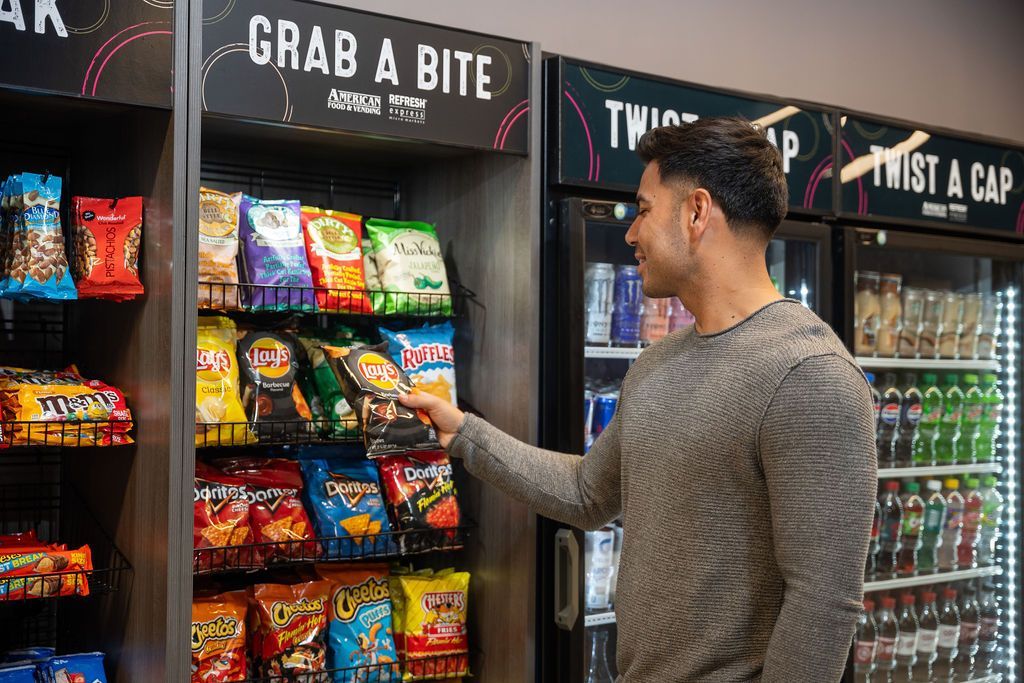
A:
x: 418, y: 399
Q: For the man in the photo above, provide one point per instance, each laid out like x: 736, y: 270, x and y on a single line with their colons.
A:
x: 742, y: 455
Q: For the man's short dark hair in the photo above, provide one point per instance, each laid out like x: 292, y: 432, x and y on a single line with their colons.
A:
x: 731, y: 159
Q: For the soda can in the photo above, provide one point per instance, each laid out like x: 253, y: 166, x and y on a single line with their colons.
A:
x: 588, y: 412
x: 599, y: 292
x: 628, y: 309
x: 654, y: 323
x: 604, y: 409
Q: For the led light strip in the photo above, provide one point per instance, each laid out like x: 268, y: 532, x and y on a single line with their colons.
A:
x: 1011, y: 481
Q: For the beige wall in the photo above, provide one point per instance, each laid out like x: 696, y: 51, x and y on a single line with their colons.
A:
x: 952, y: 63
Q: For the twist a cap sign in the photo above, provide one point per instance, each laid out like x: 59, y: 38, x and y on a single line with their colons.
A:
x: 306, y: 63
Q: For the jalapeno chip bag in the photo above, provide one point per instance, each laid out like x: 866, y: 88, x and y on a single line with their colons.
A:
x: 410, y: 266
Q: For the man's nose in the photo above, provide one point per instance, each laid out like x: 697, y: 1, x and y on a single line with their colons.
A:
x: 631, y: 234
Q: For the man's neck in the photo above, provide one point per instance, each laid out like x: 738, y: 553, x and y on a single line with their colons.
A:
x: 719, y: 305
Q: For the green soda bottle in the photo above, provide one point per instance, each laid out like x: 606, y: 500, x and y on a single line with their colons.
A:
x: 948, y: 434
x: 970, y: 421
x: 932, y: 404
x: 931, y: 528
x: 991, y: 414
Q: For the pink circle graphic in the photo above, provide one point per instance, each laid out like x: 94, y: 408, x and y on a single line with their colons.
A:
x: 128, y: 35
x: 590, y: 141
x: 513, y: 115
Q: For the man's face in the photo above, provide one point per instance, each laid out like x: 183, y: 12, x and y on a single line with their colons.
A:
x: 657, y: 235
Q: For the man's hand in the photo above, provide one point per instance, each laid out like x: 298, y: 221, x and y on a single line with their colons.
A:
x: 444, y: 415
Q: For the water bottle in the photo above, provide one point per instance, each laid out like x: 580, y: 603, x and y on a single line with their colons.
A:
x: 992, y: 412
x: 991, y: 519
x: 599, y: 670
x: 953, y: 530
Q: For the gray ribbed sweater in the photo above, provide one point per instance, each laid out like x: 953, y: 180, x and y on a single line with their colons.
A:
x: 743, y: 467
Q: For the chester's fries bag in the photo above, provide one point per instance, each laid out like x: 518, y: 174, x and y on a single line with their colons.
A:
x: 289, y: 628
x: 410, y: 266
x: 274, y: 488
x: 344, y: 495
x: 44, y: 572
x: 427, y: 355
x: 221, y: 518
x: 218, y: 248
x: 219, y: 637
x: 372, y: 383
x: 334, y: 246
x: 434, y: 625
x: 220, y: 419
x: 360, y: 633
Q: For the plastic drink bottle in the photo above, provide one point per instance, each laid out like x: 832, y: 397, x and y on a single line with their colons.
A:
x: 913, y: 519
x: 988, y: 634
x: 891, y: 529
x: 599, y: 671
x: 949, y: 632
x: 927, y: 637
x: 970, y: 626
x: 931, y: 529
x: 910, y: 417
x: 888, y: 422
x: 948, y: 435
x: 876, y: 398
x: 876, y: 528
x: 906, y: 647
x: 951, y: 534
x: 970, y: 422
x: 932, y: 404
x: 865, y: 644
x: 991, y: 518
x: 967, y: 551
x: 888, y: 635
x: 991, y: 414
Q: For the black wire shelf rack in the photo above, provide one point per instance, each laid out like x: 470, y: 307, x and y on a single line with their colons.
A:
x: 440, y: 667
x: 277, y: 432
x: 64, y: 434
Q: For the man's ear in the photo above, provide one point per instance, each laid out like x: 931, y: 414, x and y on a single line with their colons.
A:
x: 697, y: 213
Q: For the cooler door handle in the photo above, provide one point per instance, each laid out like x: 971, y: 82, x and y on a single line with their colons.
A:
x: 567, y: 579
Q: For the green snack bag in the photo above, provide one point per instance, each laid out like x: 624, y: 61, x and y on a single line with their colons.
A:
x: 410, y: 264
x: 322, y: 381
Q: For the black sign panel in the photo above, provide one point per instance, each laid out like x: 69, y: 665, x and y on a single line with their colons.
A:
x: 603, y: 113
x: 325, y: 66
x: 900, y: 173
x: 116, y: 50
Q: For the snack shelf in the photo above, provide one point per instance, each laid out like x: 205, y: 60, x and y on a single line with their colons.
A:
x: 938, y: 470
x: 277, y: 432
x: 437, y: 668
x: 938, y: 364
x: 627, y: 353
x: 392, y: 544
x: 248, y: 298
x: 32, y: 433
x: 599, y: 619
x: 928, y: 579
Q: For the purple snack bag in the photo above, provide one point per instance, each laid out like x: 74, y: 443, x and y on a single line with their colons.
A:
x: 274, y: 253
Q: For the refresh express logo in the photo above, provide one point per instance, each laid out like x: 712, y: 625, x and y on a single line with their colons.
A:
x: 356, y: 102
x: 407, y: 109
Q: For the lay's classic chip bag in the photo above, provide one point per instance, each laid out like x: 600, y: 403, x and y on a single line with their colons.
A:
x: 345, y: 497
x: 427, y: 355
x: 217, y: 386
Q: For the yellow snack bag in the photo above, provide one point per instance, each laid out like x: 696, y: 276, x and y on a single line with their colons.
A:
x: 433, y: 625
x: 217, y: 397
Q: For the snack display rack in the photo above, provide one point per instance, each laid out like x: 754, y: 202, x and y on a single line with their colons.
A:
x: 275, y: 432
x: 32, y: 434
x: 439, y: 668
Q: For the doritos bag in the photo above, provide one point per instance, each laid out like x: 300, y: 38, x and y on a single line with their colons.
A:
x: 360, y: 630
x: 217, y: 389
x: 219, y: 638
x: 434, y: 625
x: 344, y: 495
x: 221, y: 518
x: 421, y: 495
x: 427, y: 355
x: 334, y: 247
x: 289, y: 630
x: 372, y: 383
x: 274, y: 487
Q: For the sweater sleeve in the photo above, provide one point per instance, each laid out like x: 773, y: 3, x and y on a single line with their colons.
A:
x: 581, y: 491
x: 817, y: 449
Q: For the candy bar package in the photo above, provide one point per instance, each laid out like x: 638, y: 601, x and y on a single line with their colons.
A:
x: 44, y: 572
x: 410, y: 266
x: 372, y: 383
x: 427, y: 355
x: 270, y: 390
x: 334, y: 247
x: 218, y: 249
x: 274, y: 256
x: 107, y: 234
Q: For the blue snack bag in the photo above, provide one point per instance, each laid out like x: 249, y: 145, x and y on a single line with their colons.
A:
x: 87, y: 667
x: 28, y: 654
x: 42, y: 264
x: 345, y: 498
x: 20, y: 673
x: 427, y: 356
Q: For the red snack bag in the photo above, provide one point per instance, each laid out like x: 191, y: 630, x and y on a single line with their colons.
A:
x: 276, y: 514
x: 218, y: 638
x: 420, y: 495
x: 221, y: 518
x: 334, y: 242
x: 44, y: 573
x: 108, y: 234
x: 21, y: 538
x: 289, y: 627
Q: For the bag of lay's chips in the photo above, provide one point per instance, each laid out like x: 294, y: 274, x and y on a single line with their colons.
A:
x: 345, y: 497
x: 427, y: 356
x: 410, y: 266
x: 270, y: 392
x: 220, y: 419
x: 434, y: 625
x: 360, y: 632
x: 219, y: 638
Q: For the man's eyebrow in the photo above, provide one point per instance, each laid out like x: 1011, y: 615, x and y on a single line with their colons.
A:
x: 642, y: 198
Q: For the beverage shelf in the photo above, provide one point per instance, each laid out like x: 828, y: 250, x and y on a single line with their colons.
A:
x: 994, y: 678
x: 939, y: 364
x: 938, y: 470
x: 627, y: 353
x: 928, y: 579
x: 599, y: 619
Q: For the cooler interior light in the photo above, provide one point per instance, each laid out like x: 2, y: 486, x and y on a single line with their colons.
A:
x: 1010, y: 415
